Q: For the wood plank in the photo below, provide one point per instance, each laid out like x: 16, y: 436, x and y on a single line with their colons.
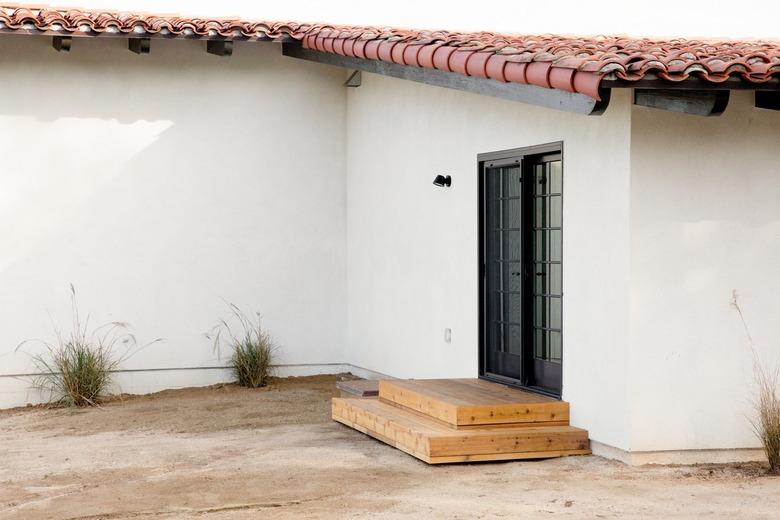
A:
x: 506, y: 456
x: 473, y: 402
x: 436, y: 443
x: 517, y: 440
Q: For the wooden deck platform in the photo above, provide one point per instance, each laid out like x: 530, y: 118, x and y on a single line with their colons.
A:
x: 470, y: 402
x: 463, y: 420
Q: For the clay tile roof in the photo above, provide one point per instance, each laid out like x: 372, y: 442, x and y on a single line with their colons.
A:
x: 574, y: 64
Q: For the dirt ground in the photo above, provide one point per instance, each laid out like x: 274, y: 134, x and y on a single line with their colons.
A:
x: 229, y: 453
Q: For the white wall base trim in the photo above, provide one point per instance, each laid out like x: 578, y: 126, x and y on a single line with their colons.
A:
x: 16, y: 390
x: 711, y: 456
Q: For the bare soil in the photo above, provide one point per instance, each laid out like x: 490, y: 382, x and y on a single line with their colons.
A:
x: 226, y: 452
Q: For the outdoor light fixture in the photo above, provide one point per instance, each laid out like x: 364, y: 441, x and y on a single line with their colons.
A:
x: 442, y: 181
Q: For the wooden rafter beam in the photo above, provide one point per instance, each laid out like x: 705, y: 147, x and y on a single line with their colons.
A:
x: 768, y: 100
x: 61, y: 43
x: 696, y: 102
x: 139, y: 45
x: 550, y: 98
x: 219, y: 47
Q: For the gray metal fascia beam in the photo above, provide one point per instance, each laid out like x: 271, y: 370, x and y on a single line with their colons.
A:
x: 531, y: 94
x: 696, y: 102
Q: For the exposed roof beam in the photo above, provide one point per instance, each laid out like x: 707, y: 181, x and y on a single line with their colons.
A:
x: 61, y: 43
x: 139, y: 45
x: 550, y: 98
x: 696, y: 102
x: 768, y: 100
x: 219, y: 48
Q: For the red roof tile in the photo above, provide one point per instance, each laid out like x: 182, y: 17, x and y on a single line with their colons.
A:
x: 574, y: 64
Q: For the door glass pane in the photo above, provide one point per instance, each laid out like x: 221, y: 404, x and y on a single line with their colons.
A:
x: 512, y: 303
x: 512, y: 177
x: 512, y: 279
x: 554, y: 346
x: 513, y: 339
x: 539, y: 312
x: 554, y: 313
x: 556, y: 177
x: 547, y: 313
x: 540, y: 179
x: 554, y: 213
x: 547, y: 280
x: 511, y: 246
x: 554, y: 279
x: 554, y: 239
x: 511, y: 214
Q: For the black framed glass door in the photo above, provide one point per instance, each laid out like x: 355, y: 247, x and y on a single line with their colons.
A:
x: 521, y: 256
x: 504, y: 275
x: 545, y: 268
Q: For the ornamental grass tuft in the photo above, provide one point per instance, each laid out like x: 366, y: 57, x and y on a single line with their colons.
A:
x: 766, y: 422
x: 252, y: 350
x: 75, y: 369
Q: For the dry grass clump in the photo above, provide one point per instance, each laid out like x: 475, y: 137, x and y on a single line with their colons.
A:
x: 766, y: 424
x: 75, y: 369
x: 252, y: 348
x: 75, y: 373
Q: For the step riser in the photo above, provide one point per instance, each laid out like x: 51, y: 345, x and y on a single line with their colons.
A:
x: 439, y: 405
x: 468, y: 426
x: 510, y: 443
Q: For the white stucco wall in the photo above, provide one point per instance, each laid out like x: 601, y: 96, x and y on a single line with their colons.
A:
x: 412, y: 247
x: 705, y: 220
x: 160, y: 185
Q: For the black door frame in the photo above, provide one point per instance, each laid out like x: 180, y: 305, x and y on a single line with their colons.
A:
x: 488, y: 160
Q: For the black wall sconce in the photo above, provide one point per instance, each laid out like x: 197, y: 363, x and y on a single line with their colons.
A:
x: 442, y: 181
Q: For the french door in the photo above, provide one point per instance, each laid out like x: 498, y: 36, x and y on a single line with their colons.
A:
x: 521, y: 197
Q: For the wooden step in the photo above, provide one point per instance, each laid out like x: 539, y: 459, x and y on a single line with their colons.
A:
x: 436, y: 443
x: 464, y: 403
